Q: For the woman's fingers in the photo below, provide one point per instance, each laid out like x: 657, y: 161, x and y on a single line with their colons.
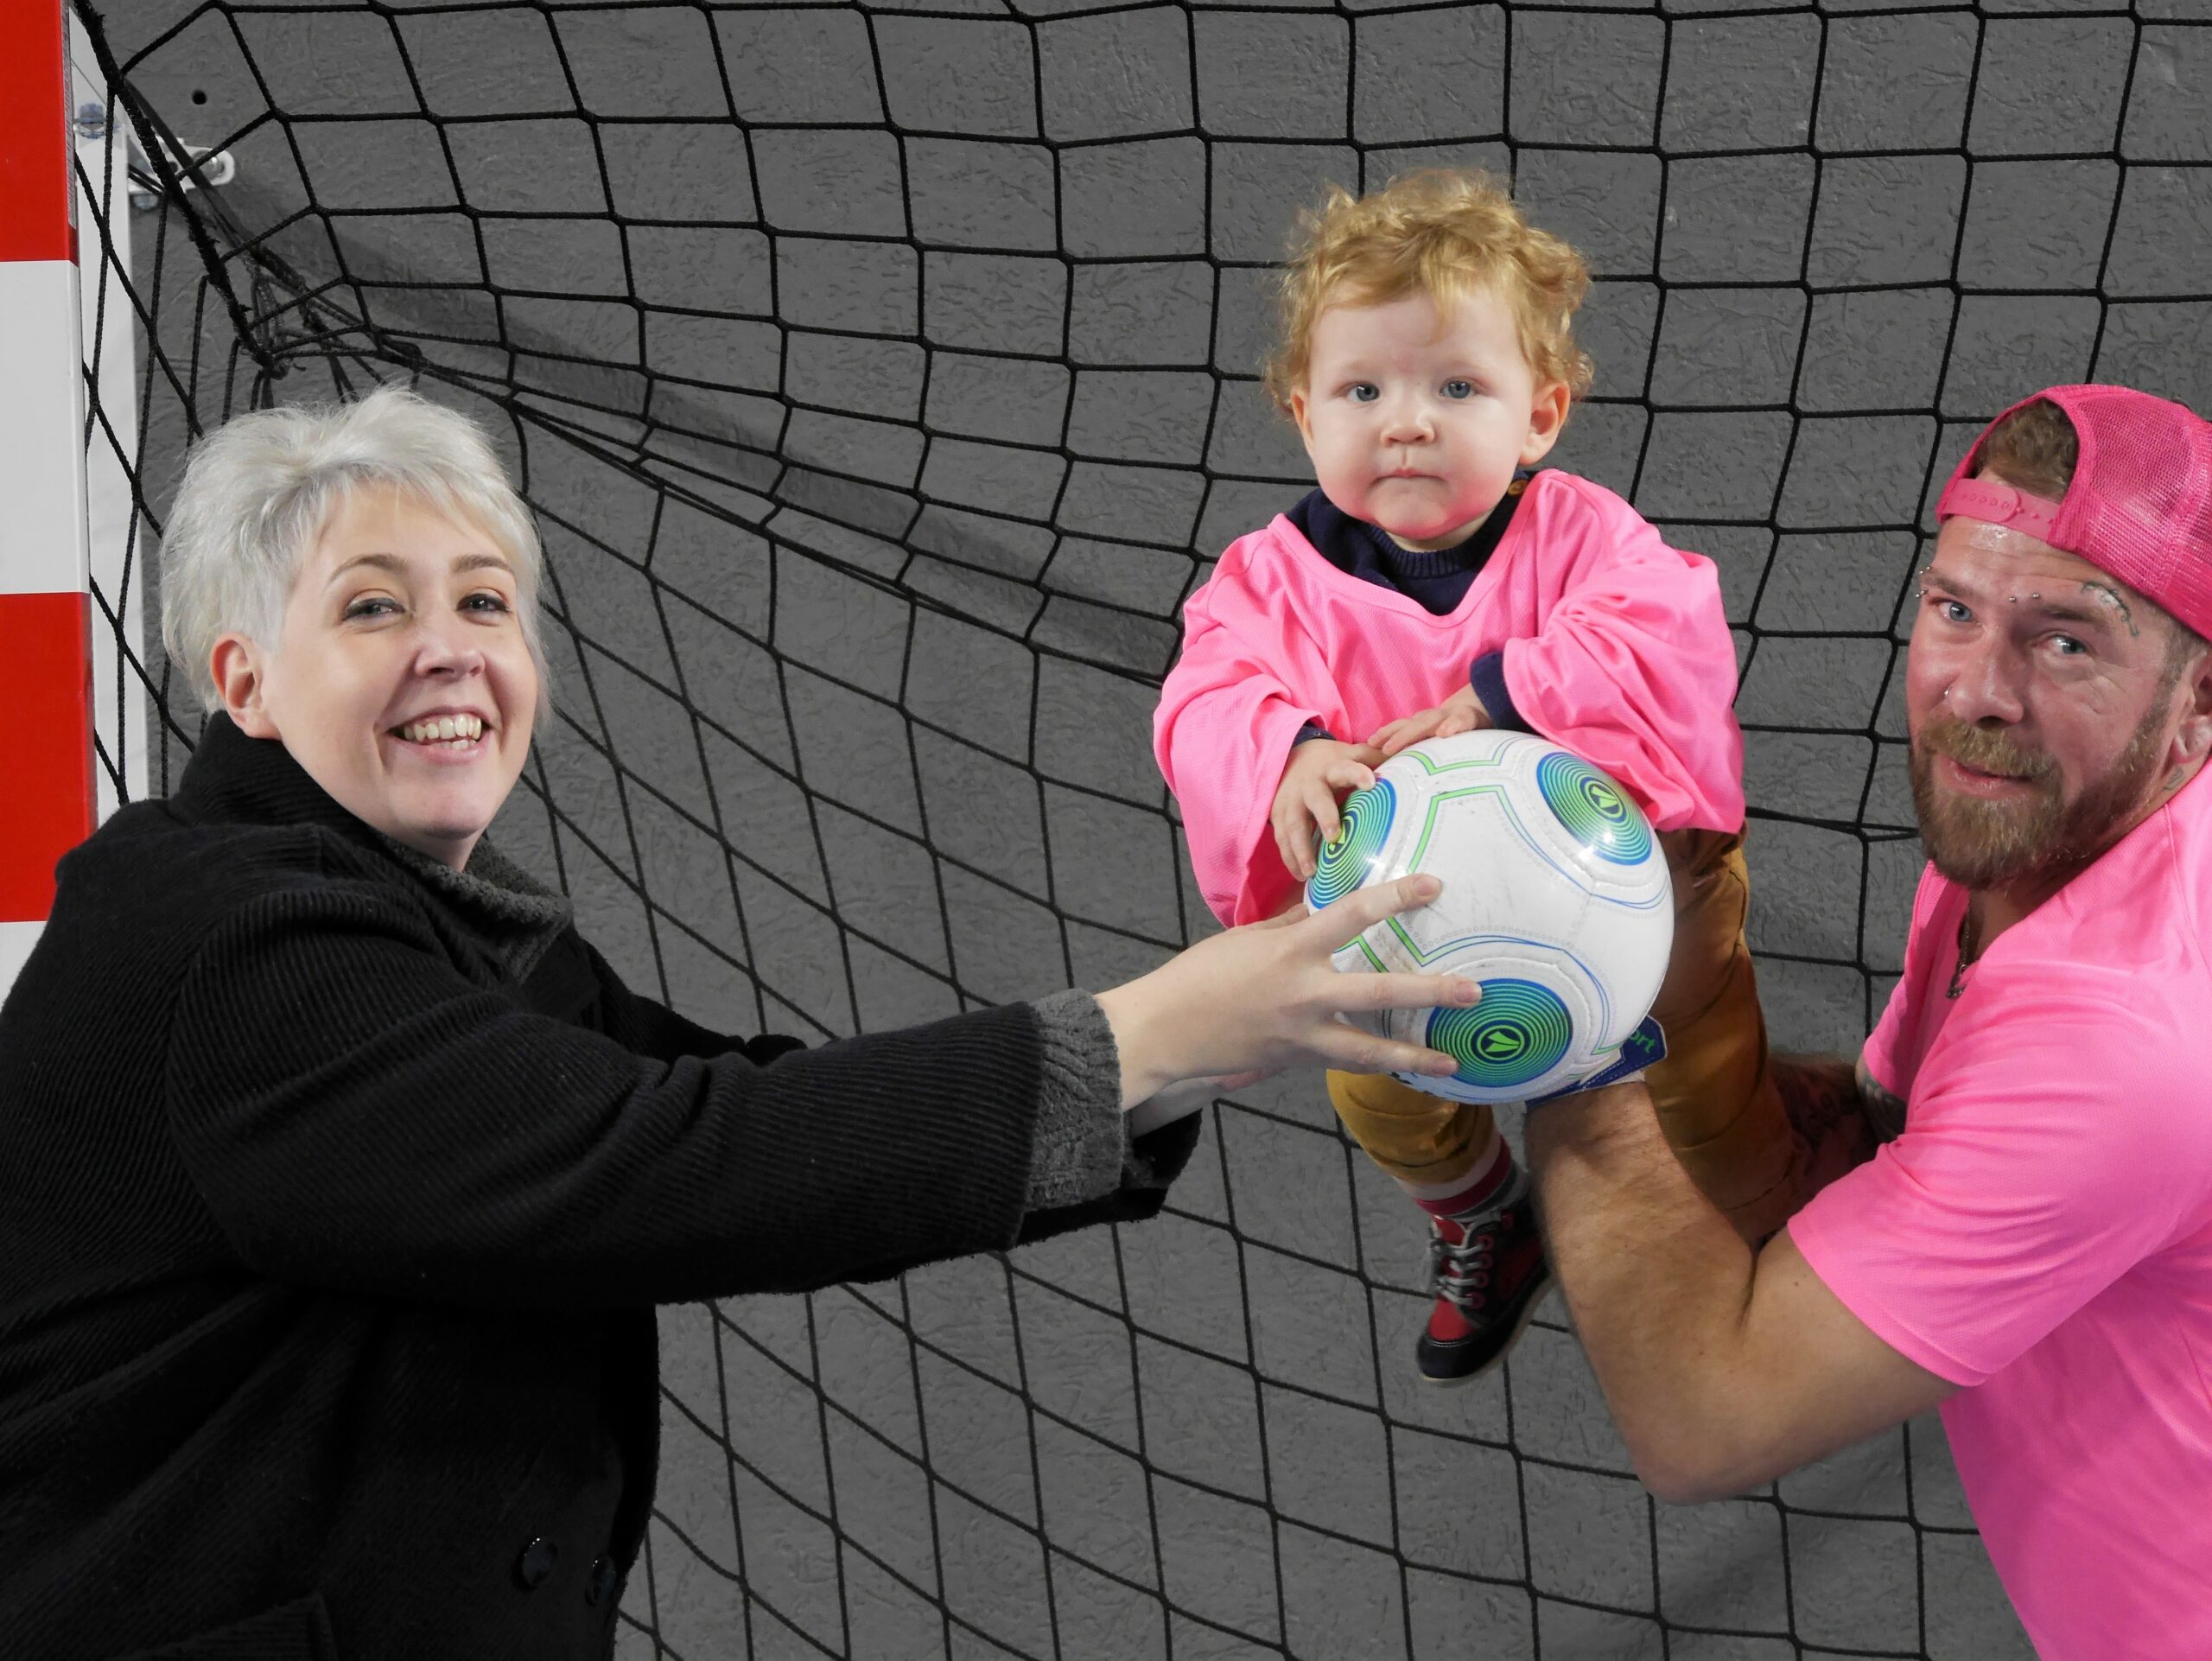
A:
x: 1353, y: 1051
x: 1355, y: 913
x: 1401, y: 991
x: 1363, y: 906
x: 1411, y: 1058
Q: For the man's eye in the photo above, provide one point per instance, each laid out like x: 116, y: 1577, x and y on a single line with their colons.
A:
x: 1954, y: 611
x: 1456, y: 389
x: 2068, y: 646
x: 1363, y: 391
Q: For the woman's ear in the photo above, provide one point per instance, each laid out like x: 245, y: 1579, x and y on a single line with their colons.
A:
x: 236, y: 666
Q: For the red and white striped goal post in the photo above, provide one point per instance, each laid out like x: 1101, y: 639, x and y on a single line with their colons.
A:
x: 47, y: 803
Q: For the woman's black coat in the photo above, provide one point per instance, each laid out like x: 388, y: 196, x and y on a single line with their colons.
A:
x: 336, y: 1195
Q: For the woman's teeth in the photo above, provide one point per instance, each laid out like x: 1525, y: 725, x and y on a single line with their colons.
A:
x: 445, y: 729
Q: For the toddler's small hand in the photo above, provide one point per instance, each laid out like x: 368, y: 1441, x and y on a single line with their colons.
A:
x: 1317, y: 776
x: 1462, y: 712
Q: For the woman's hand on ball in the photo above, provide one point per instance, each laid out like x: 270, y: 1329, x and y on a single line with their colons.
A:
x: 1462, y: 712
x: 1319, y: 773
x: 1256, y: 999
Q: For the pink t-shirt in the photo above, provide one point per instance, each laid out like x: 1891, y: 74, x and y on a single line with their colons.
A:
x: 1614, y: 646
x: 2042, y: 1234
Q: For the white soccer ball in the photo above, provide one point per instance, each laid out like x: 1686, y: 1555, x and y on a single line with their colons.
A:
x: 1556, y: 902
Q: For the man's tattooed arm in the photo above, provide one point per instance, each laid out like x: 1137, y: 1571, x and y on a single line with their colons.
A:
x: 1884, y: 1112
x: 1839, y: 1114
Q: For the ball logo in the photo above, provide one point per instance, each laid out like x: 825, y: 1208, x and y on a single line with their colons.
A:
x: 1591, y: 807
x: 1346, y: 862
x: 1518, y: 1032
x: 1502, y: 1044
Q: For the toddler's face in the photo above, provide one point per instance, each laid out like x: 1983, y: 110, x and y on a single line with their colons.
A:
x: 1416, y: 416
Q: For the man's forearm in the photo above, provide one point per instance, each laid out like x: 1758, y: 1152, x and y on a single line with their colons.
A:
x: 1657, y: 1280
x: 1672, y: 1305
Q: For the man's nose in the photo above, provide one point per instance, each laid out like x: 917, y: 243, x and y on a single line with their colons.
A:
x: 1985, y: 687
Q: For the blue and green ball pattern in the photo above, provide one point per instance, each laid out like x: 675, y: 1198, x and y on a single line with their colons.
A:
x: 1517, y: 1033
x: 1594, y: 808
x: 1346, y: 862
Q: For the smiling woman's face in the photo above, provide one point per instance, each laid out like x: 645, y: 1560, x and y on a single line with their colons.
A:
x: 400, y: 678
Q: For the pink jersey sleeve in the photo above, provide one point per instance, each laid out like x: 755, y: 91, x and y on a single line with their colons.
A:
x: 1222, y: 735
x: 2054, y: 1142
x: 1634, y: 666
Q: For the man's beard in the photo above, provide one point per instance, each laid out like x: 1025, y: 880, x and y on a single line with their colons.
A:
x: 1987, y: 844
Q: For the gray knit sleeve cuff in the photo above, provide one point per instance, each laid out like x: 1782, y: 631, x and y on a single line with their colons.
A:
x: 1082, y: 1138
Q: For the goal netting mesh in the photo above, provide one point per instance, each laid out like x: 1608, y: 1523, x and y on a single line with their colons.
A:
x: 882, y: 378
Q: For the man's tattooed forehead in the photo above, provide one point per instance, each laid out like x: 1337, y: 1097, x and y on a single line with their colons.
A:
x: 2103, y: 594
x: 2112, y: 596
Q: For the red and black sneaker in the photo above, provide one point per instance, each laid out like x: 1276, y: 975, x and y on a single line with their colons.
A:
x: 1488, y: 1268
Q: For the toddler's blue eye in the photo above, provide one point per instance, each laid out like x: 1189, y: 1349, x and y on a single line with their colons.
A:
x: 1459, y: 389
x: 1363, y: 392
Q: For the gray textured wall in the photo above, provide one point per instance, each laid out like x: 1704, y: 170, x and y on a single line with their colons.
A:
x: 883, y: 380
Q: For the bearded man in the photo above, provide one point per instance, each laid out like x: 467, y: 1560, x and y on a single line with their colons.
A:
x: 2016, y: 1222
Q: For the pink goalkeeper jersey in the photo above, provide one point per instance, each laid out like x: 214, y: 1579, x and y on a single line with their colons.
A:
x: 2042, y: 1233
x: 1615, y: 645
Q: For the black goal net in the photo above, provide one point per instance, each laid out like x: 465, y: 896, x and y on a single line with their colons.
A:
x: 883, y: 378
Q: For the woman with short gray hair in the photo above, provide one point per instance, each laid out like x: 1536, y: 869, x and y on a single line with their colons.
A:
x: 341, y: 1174
x: 260, y: 490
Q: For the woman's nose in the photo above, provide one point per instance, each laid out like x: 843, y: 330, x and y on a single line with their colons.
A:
x: 444, y: 648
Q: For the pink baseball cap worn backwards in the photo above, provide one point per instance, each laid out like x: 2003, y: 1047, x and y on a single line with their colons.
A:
x: 2139, y: 506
